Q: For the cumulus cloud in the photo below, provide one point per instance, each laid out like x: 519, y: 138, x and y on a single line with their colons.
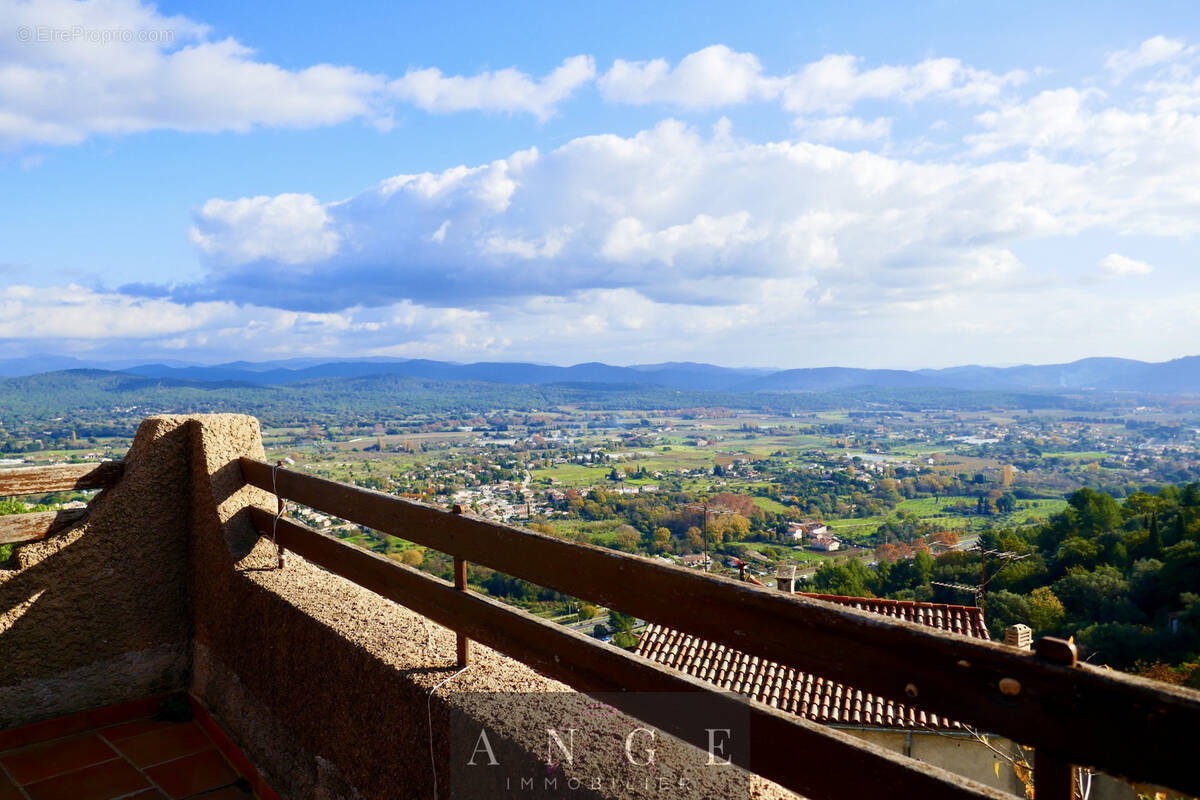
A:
x: 700, y: 243
x: 837, y: 82
x: 673, y: 215
x: 1152, y: 52
x: 1115, y: 264
x: 64, y: 81
x: 718, y: 76
x: 709, y: 78
x: 77, y: 69
x: 845, y: 129
x: 288, y: 228
x: 502, y: 90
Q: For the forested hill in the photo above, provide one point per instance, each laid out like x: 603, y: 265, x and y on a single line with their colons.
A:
x: 117, y: 394
x: 1122, y: 578
x: 1180, y: 376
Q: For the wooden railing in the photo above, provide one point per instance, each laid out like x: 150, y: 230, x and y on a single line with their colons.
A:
x: 1071, y: 713
x: 19, y: 481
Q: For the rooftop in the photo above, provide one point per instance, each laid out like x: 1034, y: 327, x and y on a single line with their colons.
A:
x: 807, y: 695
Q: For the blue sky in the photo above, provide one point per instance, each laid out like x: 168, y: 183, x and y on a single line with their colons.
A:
x: 775, y: 184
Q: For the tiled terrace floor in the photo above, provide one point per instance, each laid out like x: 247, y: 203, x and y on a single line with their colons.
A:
x: 144, y: 758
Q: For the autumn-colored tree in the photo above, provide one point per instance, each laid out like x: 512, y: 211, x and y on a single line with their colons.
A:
x: 948, y: 538
x: 627, y: 538
x: 1046, y: 611
x: 660, y: 539
x: 736, y: 502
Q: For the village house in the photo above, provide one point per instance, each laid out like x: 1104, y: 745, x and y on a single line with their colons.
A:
x: 806, y: 529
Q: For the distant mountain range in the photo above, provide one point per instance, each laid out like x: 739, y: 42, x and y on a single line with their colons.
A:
x: 1180, y: 376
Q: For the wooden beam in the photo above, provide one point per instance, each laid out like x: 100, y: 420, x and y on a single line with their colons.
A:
x: 59, y: 477
x: 462, y: 644
x: 789, y: 750
x: 19, y: 528
x: 1080, y: 714
x: 1052, y: 779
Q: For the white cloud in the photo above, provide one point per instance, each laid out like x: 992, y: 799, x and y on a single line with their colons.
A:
x: 74, y: 312
x: 68, y: 82
x: 703, y: 245
x: 837, y: 82
x: 112, y: 67
x: 1152, y: 52
x: 287, y: 228
x: 502, y: 90
x: 668, y: 213
x: 845, y: 129
x: 1115, y: 264
x: 709, y: 78
x: 718, y: 76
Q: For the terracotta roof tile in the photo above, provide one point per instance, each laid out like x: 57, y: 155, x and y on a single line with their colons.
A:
x: 804, y: 694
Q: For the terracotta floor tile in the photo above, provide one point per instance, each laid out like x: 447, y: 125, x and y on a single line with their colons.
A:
x: 97, y: 782
x: 164, y: 744
x: 41, y: 761
x: 229, y: 793
x: 43, y: 731
x: 134, y: 728
x: 110, y: 715
x: 9, y: 790
x: 191, y: 774
x: 151, y: 794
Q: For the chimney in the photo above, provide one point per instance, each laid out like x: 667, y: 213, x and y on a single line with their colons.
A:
x: 785, y: 578
x: 1018, y: 636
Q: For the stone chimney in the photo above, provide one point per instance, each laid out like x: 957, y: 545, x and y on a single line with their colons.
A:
x: 785, y: 578
x: 1018, y: 636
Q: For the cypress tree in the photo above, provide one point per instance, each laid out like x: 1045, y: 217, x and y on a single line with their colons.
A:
x: 1155, y: 542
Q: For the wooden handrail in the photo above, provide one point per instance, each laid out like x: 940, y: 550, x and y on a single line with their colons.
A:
x: 778, y: 740
x: 17, y: 481
x: 1077, y: 714
x: 31, y: 527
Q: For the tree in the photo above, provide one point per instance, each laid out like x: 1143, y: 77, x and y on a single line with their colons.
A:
x: 1094, y: 512
x: 1099, y: 595
x: 414, y: 557
x: 627, y: 538
x: 1077, y: 552
x: 1154, y: 542
x: 625, y: 640
x: 848, y: 578
x: 588, y: 611
x: 1007, y: 608
x: 620, y: 622
x: 1046, y: 612
x: 660, y: 539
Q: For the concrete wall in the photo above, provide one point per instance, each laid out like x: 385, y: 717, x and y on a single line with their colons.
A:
x: 973, y: 759
x: 99, y: 614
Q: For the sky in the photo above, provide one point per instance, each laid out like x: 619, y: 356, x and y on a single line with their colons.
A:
x: 773, y: 184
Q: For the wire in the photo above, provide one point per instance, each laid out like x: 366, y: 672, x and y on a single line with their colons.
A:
x: 280, y: 504
x: 429, y: 711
